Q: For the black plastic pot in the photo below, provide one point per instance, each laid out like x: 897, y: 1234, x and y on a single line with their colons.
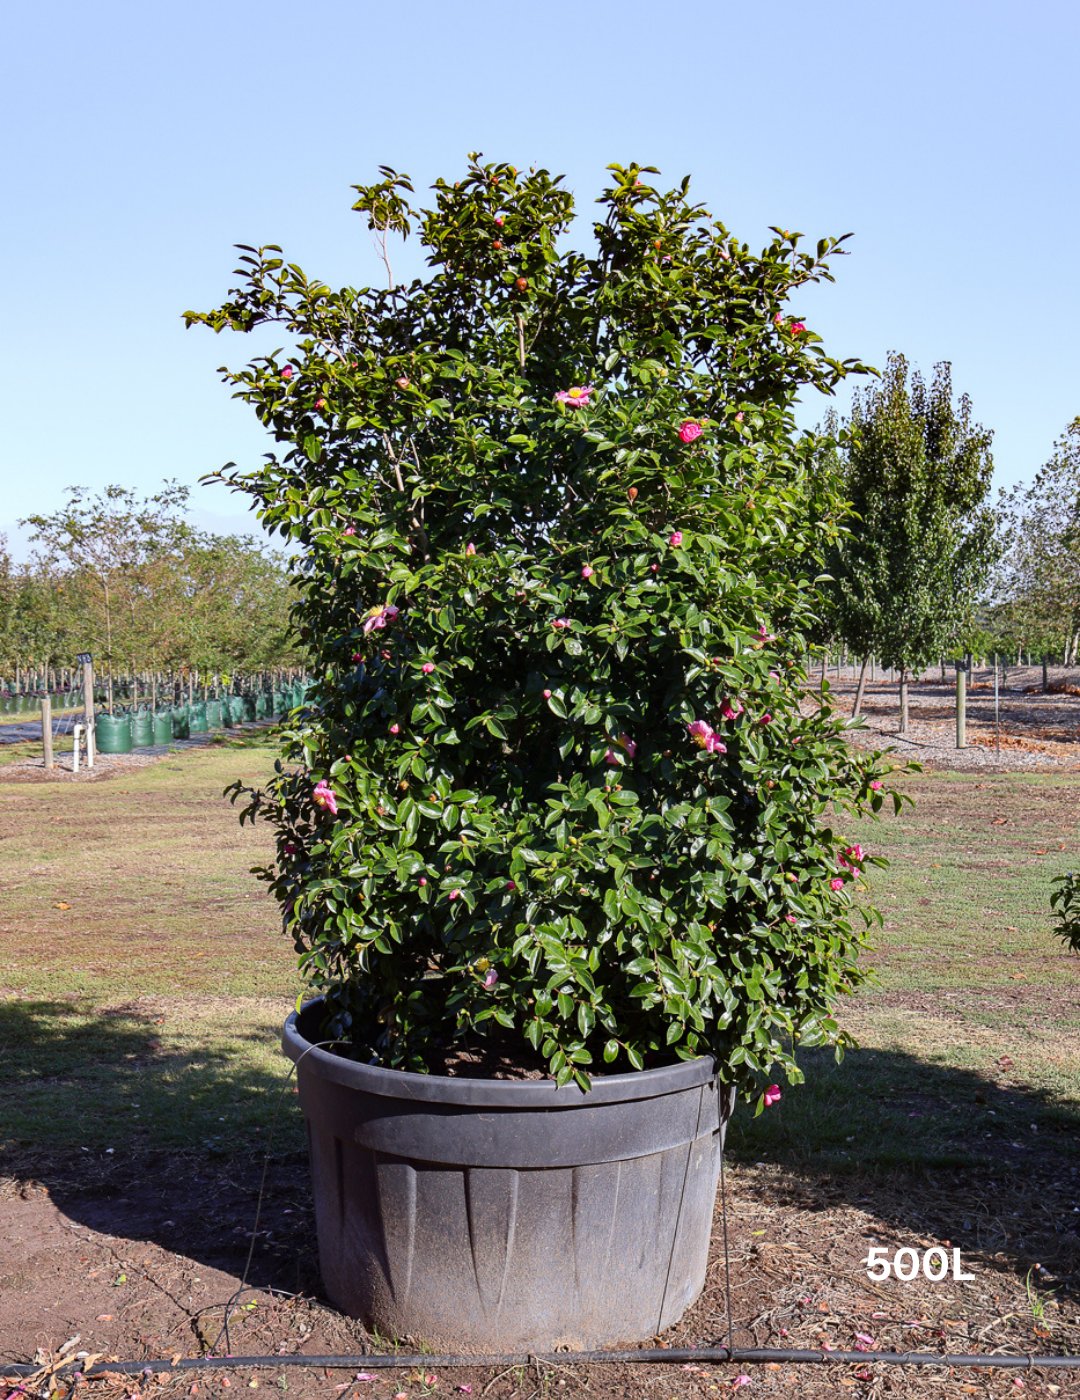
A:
x: 497, y: 1215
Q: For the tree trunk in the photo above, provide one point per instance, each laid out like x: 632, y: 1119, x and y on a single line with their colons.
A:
x: 903, y: 701
x: 862, y: 686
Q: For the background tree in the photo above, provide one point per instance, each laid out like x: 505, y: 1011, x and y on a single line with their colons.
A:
x: 917, y: 472
x: 1036, y: 595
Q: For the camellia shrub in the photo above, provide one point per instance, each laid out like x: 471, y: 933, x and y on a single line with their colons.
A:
x: 553, y: 791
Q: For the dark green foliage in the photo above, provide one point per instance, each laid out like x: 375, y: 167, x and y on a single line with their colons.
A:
x: 917, y: 471
x: 521, y: 603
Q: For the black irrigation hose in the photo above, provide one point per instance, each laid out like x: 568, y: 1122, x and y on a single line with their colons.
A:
x: 487, y: 1361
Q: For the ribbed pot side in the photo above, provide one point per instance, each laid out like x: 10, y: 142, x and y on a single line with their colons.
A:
x: 501, y: 1215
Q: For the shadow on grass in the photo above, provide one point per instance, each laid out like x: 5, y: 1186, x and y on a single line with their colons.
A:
x: 145, y: 1129
x: 144, y: 1133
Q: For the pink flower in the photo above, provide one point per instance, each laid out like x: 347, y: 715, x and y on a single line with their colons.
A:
x: 654, y: 567
x: 765, y: 636
x: 739, y: 1382
x: 777, y: 319
x: 739, y: 416
x: 320, y: 404
x: 876, y: 785
x: 490, y: 977
x: 610, y: 757
x: 836, y: 883
x: 454, y: 894
x: 470, y: 549
x: 765, y: 718
x: 499, y: 222
x: 772, y: 1095
x: 676, y: 539
x: 790, y: 918
x: 690, y: 432
x: 324, y: 797
x: 290, y: 849
x: 577, y: 397
x: 729, y: 708
x: 427, y: 668
x: 628, y: 745
x: 286, y: 373
x: 797, y: 328
x: 560, y: 623
x: 862, y: 1337
x: 348, y: 530
x: 705, y: 737
x: 586, y: 572
x: 356, y: 656
x: 547, y: 694
x: 774, y: 676
x: 422, y: 880
x: 395, y: 729
x: 511, y: 885
x: 379, y: 617
x: 467, y: 1389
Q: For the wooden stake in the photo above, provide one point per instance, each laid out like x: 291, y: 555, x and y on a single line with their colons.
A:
x: 46, y: 730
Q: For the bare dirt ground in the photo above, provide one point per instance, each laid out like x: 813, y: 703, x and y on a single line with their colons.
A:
x: 1037, y: 730
x: 138, y: 1252
x: 139, y: 1258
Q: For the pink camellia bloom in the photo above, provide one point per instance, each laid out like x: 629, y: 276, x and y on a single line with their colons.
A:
x: 739, y: 1382
x: 348, y: 530
x: 766, y: 718
x: 729, y: 708
x: 706, y: 737
x: 777, y: 319
x: 876, y: 785
x: 323, y: 797
x: 586, y: 572
x: 628, y: 745
x: 379, y: 617
x: 836, y: 883
x: 739, y: 416
x: 610, y: 757
x: 690, y: 432
x: 454, y: 894
x: 320, y: 404
x: 490, y: 977
x: 774, y: 676
x: 797, y: 328
x: 561, y: 622
x: 772, y: 1095
x: 852, y: 856
x: 470, y: 549
x: 763, y: 634
x: 654, y: 567
x: 676, y: 539
x: 395, y: 729
x: 427, y: 668
x: 547, y: 694
x: 286, y: 373
x: 499, y: 220
x: 790, y: 918
x: 577, y: 397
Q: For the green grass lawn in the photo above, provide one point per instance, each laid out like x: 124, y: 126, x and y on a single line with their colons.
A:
x: 145, y: 977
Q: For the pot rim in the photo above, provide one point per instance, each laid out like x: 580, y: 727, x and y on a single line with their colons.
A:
x: 488, y: 1093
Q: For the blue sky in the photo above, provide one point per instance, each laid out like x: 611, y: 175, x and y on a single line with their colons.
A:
x: 143, y: 141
